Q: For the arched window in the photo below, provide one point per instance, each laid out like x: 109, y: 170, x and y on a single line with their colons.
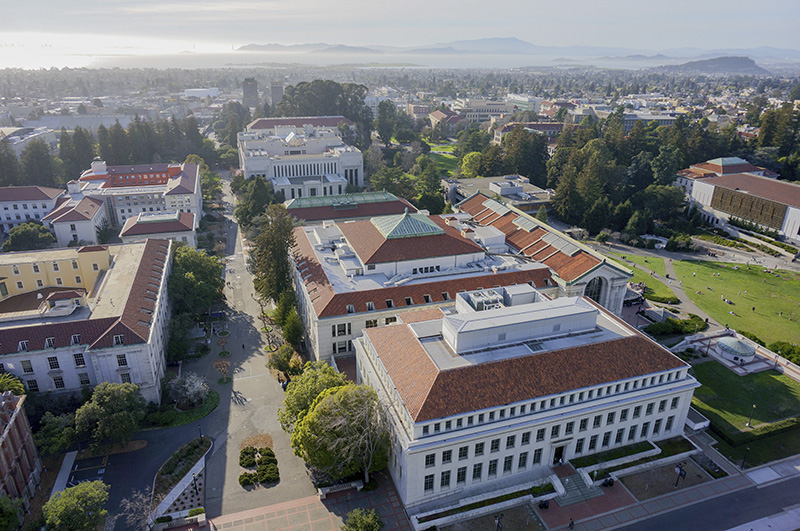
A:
x: 594, y: 289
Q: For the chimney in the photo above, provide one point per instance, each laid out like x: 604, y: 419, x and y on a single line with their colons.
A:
x: 468, y: 234
x: 73, y: 187
x: 99, y: 167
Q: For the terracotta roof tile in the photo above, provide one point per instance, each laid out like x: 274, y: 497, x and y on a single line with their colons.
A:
x: 424, y: 314
x: 133, y: 227
x: 29, y: 193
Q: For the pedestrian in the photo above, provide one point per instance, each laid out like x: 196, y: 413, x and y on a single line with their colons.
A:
x: 242, y: 346
x: 754, y: 308
x: 745, y: 293
x: 571, y: 524
x: 694, y: 274
x: 740, y: 293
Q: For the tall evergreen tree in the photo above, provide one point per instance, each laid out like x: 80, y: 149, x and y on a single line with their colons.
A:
x: 39, y: 167
x: 104, y: 144
x: 9, y: 165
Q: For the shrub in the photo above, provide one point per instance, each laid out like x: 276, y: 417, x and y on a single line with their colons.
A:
x: 752, y: 337
x: 247, y: 457
x: 267, y: 459
x: 196, y: 511
x: 268, y: 473
x: 163, y: 519
x: 266, y: 452
x: 247, y: 479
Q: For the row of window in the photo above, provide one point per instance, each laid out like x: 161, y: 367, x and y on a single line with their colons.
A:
x: 53, y: 363
x: 55, y: 266
x: 560, y: 401
x: 58, y: 381
x: 409, y: 301
x: 619, y: 438
x: 40, y: 282
x: 25, y: 206
x: 445, y: 477
x: 19, y: 218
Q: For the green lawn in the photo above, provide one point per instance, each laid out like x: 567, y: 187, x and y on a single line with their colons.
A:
x: 442, y: 147
x: 727, y: 399
x: 655, y: 288
x: 762, y: 450
x: 447, y: 163
x: 769, y: 295
x: 647, y: 262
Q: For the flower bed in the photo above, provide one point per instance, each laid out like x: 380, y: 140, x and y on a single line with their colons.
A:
x: 179, y: 464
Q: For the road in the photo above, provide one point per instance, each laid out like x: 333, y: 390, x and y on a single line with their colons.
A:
x: 727, y: 511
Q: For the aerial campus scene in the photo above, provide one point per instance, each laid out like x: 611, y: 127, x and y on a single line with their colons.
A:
x: 363, y: 267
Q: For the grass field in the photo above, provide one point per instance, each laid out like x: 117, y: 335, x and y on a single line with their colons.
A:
x: 447, y: 162
x: 768, y: 293
x: 762, y: 450
x: 727, y: 399
x: 442, y: 147
x: 654, y: 286
x: 647, y: 262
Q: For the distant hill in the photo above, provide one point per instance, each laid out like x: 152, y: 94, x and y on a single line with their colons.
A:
x: 439, y: 51
x: 282, y: 47
x: 341, y: 48
x: 719, y: 65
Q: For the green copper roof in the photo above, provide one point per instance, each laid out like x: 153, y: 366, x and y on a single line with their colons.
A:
x: 406, y: 226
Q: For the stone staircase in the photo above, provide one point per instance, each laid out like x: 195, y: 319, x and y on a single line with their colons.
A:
x: 577, y: 491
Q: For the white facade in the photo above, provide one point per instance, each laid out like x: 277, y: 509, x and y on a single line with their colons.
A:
x: 525, y: 102
x: 435, y: 461
x: 301, y: 161
x: 19, y: 204
x: 21, y: 137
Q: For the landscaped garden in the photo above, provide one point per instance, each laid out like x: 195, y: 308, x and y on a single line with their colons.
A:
x: 179, y: 464
x: 727, y: 400
x: 775, y: 297
x: 260, y: 464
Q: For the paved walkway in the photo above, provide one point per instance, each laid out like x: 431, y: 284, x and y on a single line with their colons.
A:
x: 312, y: 514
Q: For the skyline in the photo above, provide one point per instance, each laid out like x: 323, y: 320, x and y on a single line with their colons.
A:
x: 219, y: 27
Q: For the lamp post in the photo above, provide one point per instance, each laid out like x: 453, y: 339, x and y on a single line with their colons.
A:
x: 679, y: 471
x: 745, y: 457
x: 751, y: 416
x: 200, y: 429
x: 194, y: 483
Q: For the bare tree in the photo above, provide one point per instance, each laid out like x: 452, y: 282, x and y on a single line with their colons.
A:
x: 222, y: 366
x: 137, y: 508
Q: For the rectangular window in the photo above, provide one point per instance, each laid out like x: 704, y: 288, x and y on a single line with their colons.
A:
x: 479, y: 449
x: 83, y: 378
x: 623, y: 415
x: 427, y: 299
x: 493, y: 467
x: 495, y: 445
x: 537, y: 456
x: 55, y: 266
x: 49, y: 342
x: 33, y: 385
x: 370, y: 306
x: 389, y: 303
x: 463, y: 453
x: 619, y: 436
x: 508, y: 462
x: 598, y: 419
x: 502, y: 413
x: 632, y: 433
x: 425, y: 430
x: 447, y: 456
x: 74, y: 262
x: 122, y: 360
x: 77, y: 280
x: 582, y: 424
x: 637, y: 412
x: 606, y: 439
x: 477, y: 471
x: 428, y: 483
x: 579, y: 446
x: 480, y: 418
x: 645, y: 429
x: 448, y: 425
x: 554, y: 431
x: 461, y: 475
x: 491, y: 416
x: 540, y: 434
x: 27, y: 368
x: 523, y: 461
x: 445, y: 481
x: 20, y: 285
x: 610, y: 418
x: 569, y: 428
x: 95, y: 267
x: 430, y: 460
x: 125, y: 377
x: 79, y: 361
x: 390, y: 320
x: 58, y: 382
x: 445, y: 296
x: 39, y: 283
x: 22, y: 346
x: 649, y: 410
x: 352, y: 309
x: 674, y: 404
x: 409, y: 301
x: 593, y: 442
x: 35, y: 268
x: 437, y: 428
x: 662, y: 406
x: 668, y: 425
x: 75, y: 339
x: 510, y: 441
x: 526, y: 438
x: 656, y: 427
x: 371, y: 323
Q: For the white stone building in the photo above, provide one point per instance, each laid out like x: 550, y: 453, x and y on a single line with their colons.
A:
x: 19, y: 204
x: 510, y: 383
x: 20, y: 137
x: 76, y: 218
x: 305, y: 161
x: 71, y: 318
x: 175, y: 226
x: 353, y: 275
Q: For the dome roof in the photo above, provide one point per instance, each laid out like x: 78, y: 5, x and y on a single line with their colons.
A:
x: 735, y: 346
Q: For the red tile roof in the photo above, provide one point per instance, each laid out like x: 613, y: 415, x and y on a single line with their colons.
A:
x: 779, y: 191
x: 429, y: 393
x: 569, y: 268
x: 62, y: 295
x: 423, y: 314
x: 316, y: 121
x: 372, y: 248
x: 328, y: 303
x: 132, y: 227
x: 358, y: 210
x: 28, y: 193
x: 83, y: 210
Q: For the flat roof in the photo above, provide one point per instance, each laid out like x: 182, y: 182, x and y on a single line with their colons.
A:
x: 782, y: 192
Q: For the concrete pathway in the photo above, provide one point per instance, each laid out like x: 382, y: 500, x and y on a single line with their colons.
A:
x: 312, y: 514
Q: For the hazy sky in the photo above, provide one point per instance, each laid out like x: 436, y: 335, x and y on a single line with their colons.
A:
x: 640, y: 24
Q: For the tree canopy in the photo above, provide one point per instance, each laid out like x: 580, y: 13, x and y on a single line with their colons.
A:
x: 195, y: 281
x: 363, y: 520
x: 28, y: 236
x: 113, y: 413
x: 9, y: 382
x: 269, y: 259
x: 303, y: 390
x: 78, y: 508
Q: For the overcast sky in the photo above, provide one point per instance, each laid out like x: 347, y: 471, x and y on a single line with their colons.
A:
x: 641, y: 24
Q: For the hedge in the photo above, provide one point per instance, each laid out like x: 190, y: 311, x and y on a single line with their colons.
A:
x: 739, y: 438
